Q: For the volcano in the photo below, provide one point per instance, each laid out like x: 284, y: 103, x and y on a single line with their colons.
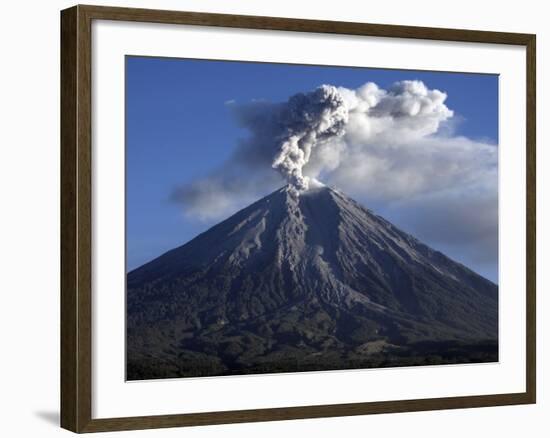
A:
x: 301, y: 283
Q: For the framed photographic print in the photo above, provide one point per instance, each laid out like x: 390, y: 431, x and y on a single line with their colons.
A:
x: 268, y: 218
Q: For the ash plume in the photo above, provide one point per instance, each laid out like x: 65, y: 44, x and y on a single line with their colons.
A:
x: 306, y: 120
x: 316, y: 132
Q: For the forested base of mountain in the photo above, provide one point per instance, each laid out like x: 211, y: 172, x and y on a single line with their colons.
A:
x: 196, y: 364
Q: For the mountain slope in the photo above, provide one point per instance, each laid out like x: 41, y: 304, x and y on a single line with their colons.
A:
x: 314, y: 282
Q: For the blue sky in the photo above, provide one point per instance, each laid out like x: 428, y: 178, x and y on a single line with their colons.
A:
x: 180, y: 127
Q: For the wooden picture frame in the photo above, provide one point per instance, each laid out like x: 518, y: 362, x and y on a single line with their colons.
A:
x: 76, y: 218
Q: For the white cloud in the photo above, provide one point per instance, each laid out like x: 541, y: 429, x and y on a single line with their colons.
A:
x: 402, y: 169
x: 221, y: 194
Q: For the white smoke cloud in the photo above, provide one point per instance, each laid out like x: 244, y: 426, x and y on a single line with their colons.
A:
x: 390, y: 171
x: 379, y: 122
